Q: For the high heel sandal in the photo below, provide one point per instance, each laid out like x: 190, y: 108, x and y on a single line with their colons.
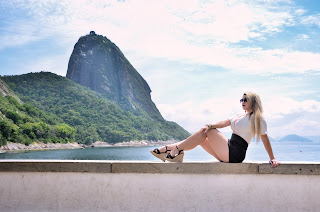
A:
x: 177, y: 158
x: 161, y: 155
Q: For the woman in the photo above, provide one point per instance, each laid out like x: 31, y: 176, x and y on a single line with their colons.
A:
x: 246, y: 127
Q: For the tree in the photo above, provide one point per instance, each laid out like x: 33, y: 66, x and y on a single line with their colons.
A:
x: 8, y: 130
x: 15, y: 117
x: 3, y: 141
x: 65, y: 131
x: 12, y: 100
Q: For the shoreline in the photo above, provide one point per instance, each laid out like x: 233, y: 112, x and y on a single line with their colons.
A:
x: 40, y: 146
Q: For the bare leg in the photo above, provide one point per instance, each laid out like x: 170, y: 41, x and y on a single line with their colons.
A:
x: 219, y: 144
x: 207, y: 146
x: 215, y: 143
x: 188, y: 144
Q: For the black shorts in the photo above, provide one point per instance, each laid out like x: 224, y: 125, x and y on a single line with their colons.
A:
x: 237, y: 149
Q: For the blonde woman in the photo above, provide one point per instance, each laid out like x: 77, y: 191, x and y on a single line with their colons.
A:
x: 246, y: 127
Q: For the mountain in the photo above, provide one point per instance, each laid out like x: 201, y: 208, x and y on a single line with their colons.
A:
x: 103, y: 98
x: 294, y: 138
x: 93, y: 116
x: 99, y: 64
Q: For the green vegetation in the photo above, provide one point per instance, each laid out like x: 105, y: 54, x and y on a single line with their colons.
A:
x: 56, y: 109
x: 24, y: 123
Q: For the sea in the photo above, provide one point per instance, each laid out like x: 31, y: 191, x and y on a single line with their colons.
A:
x: 283, y: 151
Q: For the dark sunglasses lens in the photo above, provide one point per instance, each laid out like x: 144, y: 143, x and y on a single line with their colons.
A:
x: 243, y: 100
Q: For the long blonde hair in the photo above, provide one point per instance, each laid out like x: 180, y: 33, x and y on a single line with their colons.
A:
x: 256, y: 115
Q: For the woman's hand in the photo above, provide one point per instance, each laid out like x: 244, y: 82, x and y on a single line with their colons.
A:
x: 204, y: 130
x: 220, y: 124
x: 274, y: 163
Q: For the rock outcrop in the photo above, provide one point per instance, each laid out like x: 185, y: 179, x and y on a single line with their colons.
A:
x: 4, y: 90
x: 99, y: 64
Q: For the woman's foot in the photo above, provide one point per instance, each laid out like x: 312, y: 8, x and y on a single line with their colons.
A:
x: 175, y: 155
x: 164, y: 149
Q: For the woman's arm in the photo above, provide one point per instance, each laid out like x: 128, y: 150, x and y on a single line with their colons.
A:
x: 267, y: 146
x: 220, y: 124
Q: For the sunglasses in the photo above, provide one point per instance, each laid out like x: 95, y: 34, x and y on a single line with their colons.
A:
x: 244, y: 100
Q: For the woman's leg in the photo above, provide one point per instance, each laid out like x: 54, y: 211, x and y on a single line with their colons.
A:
x: 188, y: 144
x: 219, y: 144
x: 215, y: 143
x: 207, y: 146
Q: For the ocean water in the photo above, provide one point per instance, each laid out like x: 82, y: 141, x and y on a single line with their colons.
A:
x: 288, y: 151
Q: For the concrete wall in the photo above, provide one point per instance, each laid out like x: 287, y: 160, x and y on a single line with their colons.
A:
x: 150, y: 186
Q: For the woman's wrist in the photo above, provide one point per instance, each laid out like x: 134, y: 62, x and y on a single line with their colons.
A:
x: 271, y: 160
x: 274, y: 163
x: 209, y: 126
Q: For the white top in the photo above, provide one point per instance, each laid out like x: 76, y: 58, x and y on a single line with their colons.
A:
x: 241, y: 125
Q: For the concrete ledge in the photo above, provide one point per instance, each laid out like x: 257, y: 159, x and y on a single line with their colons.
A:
x: 292, y: 169
x: 156, y: 167
x: 184, y: 168
x: 54, y: 166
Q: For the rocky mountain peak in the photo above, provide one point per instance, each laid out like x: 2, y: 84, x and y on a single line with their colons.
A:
x: 99, y: 64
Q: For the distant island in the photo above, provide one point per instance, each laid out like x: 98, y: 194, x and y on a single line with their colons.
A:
x: 294, y: 138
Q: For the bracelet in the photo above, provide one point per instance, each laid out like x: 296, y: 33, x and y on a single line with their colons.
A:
x: 209, y: 126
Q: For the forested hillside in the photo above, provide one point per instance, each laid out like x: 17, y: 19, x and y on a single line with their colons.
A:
x: 63, y: 103
x: 24, y: 123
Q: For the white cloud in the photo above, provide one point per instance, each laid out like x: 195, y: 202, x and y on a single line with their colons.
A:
x: 300, y: 12
x: 288, y: 116
x: 194, y: 31
x: 247, y: 59
x: 311, y: 20
x: 302, y: 37
x: 194, y: 114
x: 277, y: 61
x: 286, y: 105
x: 234, y: 21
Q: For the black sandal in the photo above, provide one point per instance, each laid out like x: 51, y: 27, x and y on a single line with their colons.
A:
x: 161, y: 155
x: 177, y: 158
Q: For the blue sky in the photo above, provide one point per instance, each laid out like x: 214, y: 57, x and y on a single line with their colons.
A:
x: 198, y: 57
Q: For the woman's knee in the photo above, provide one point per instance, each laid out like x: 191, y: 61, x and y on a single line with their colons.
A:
x: 213, y: 132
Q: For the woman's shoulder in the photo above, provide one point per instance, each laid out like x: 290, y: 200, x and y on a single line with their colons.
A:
x: 235, y: 116
x: 232, y: 116
x: 263, y: 121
